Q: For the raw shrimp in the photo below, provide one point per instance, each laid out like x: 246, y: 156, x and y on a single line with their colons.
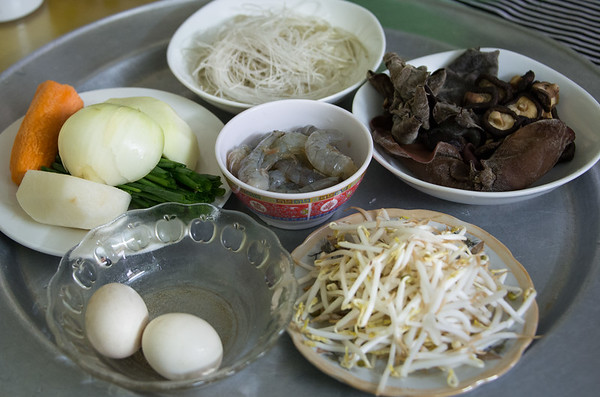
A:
x: 289, y: 145
x: 325, y: 157
x: 252, y: 170
x: 319, y: 184
x: 291, y: 142
x: 297, y: 172
x: 292, y: 176
x: 235, y: 158
x: 302, y: 160
x: 307, y: 130
x: 277, y: 181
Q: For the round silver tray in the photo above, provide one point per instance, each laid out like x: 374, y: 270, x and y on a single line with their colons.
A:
x: 556, y: 236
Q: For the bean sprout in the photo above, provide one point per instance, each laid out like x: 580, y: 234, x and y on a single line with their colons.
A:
x: 408, y: 293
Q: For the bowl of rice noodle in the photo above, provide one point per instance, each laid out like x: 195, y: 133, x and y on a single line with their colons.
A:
x: 235, y: 54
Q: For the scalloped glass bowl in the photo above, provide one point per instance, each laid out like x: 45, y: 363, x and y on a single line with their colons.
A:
x: 220, y: 265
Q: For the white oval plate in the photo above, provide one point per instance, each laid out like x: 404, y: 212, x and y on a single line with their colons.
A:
x: 432, y: 383
x: 57, y: 240
x: 343, y: 14
x: 577, y: 108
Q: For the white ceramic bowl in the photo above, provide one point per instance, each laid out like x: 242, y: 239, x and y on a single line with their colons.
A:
x: 338, y: 13
x: 295, y: 210
x: 11, y: 10
x: 577, y: 108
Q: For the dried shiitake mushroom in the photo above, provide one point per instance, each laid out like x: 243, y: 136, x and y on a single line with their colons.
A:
x: 500, y: 121
x: 525, y: 105
x: 523, y: 82
x: 481, y: 97
x: 504, y: 89
x: 546, y: 93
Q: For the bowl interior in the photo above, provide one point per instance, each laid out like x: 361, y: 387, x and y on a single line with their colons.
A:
x: 577, y: 108
x: 219, y: 265
x: 343, y: 14
x: 291, y: 114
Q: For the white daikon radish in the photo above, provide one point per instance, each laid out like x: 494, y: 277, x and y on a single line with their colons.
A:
x: 181, y: 144
x: 65, y: 200
x: 110, y: 144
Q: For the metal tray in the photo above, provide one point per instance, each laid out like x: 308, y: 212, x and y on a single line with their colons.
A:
x: 556, y: 236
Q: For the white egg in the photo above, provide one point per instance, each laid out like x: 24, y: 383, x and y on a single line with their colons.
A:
x: 182, y: 346
x: 115, y: 319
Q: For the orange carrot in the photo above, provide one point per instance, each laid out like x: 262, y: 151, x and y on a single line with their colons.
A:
x: 36, y: 143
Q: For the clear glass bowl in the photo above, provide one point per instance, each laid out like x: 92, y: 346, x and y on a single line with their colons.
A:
x: 220, y: 265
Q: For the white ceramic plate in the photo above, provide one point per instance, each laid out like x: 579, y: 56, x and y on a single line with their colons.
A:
x: 577, y: 108
x: 56, y: 240
x: 340, y: 13
x: 432, y: 383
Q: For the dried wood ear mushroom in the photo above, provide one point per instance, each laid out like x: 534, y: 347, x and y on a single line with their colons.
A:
x: 456, y: 125
x: 524, y: 156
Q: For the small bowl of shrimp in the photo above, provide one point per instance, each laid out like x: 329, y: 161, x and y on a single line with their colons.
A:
x: 294, y: 162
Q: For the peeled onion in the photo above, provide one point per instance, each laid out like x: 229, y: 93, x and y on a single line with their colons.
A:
x: 110, y: 144
x: 180, y: 142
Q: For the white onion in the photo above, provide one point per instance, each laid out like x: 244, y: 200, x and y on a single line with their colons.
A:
x: 110, y: 144
x: 180, y: 142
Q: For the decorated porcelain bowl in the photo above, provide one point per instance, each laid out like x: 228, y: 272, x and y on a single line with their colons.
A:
x: 295, y: 210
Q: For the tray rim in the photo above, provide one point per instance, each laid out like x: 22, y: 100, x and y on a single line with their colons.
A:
x: 588, y: 288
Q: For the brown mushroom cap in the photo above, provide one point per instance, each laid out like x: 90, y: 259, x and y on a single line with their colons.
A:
x: 523, y: 82
x: 500, y: 121
x: 504, y: 89
x: 546, y: 93
x: 481, y: 97
x: 527, y: 106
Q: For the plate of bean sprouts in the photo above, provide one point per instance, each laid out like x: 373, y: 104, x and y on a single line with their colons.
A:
x: 411, y: 303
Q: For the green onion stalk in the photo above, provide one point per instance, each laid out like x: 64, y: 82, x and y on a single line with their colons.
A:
x: 169, y: 181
